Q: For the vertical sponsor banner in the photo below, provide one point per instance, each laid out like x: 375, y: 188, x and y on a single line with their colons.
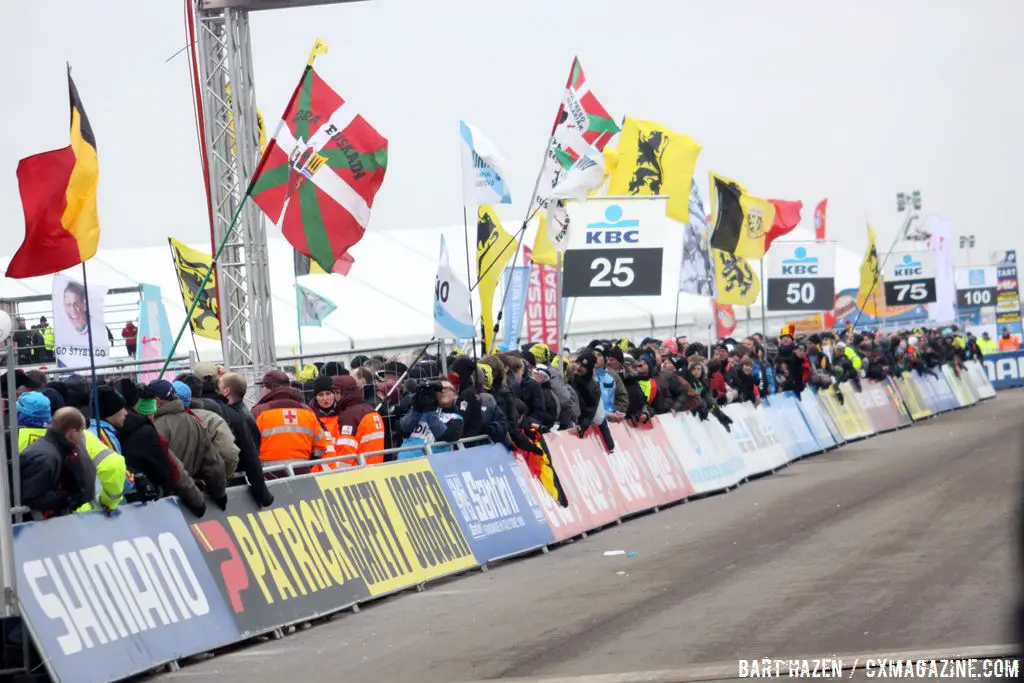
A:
x: 1008, y: 296
x: 708, y: 464
x: 653, y: 456
x: 976, y: 376
x: 593, y: 494
x: 542, y: 303
x: 110, y: 598
x: 882, y: 413
x: 155, y: 340
x: 913, y: 396
x: 492, y: 501
x: 73, y: 317
x: 1005, y: 370
x: 516, y: 283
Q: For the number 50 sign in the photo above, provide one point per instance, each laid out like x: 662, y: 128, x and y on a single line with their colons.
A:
x: 615, y: 247
x: 910, y: 279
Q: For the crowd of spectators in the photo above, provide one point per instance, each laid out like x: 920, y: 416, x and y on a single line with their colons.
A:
x: 85, y: 448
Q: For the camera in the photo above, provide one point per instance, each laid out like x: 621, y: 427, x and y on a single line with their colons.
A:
x: 425, y: 397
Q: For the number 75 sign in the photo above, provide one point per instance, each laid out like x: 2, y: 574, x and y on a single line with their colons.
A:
x: 910, y: 279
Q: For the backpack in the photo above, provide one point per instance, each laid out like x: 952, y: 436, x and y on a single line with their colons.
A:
x: 569, y: 402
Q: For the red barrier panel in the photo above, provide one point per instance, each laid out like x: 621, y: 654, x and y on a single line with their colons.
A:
x: 564, y: 522
x: 651, y: 448
x: 587, y: 479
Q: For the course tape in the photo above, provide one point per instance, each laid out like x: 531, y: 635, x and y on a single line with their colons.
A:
x: 108, y: 598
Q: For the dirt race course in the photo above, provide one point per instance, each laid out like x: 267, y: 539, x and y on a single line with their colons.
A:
x: 902, y: 542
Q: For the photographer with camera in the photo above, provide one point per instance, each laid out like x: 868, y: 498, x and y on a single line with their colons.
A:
x: 433, y: 418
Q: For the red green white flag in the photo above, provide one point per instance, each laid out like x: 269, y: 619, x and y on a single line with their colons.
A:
x: 319, y: 175
x: 582, y: 124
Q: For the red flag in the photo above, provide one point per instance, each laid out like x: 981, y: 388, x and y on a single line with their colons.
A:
x: 787, y: 216
x: 725, y: 319
x: 819, y: 220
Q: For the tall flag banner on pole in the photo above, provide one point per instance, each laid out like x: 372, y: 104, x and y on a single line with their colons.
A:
x: 820, y: 214
x: 483, y: 169
x: 736, y: 282
x: 320, y: 172
x: 517, y: 282
x: 494, y: 249
x: 544, y: 251
x: 725, y: 320
x: 582, y: 122
x: 740, y: 220
x: 191, y: 265
x: 787, y: 217
x: 77, y: 309
x: 869, y: 270
x: 58, y: 197
x: 655, y: 160
x: 307, y: 266
x: 451, y: 301
x: 697, y: 270
x: 313, y: 308
x: 541, y: 302
x: 154, y: 331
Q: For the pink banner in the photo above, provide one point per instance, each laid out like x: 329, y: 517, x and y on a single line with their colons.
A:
x: 541, y: 303
x: 652, y: 458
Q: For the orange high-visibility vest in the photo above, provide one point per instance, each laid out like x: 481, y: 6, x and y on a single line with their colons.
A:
x: 291, y: 434
x: 1010, y: 344
x: 330, y: 425
x: 367, y: 437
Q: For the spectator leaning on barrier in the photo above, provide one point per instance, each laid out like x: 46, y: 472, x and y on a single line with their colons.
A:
x: 324, y: 405
x: 495, y: 422
x: 433, y: 418
x: 57, y: 474
x: 216, y: 428
x: 360, y: 427
x: 288, y: 428
x: 227, y: 391
x: 188, y: 440
x: 110, y: 466
x: 462, y: 374
x: 541, y: 376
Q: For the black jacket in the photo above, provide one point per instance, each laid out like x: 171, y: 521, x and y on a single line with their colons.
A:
x: 248, y: 450
x: 529, y: 392
x: 589, y: 396
x: 146, y: 452
x: 57, y: 476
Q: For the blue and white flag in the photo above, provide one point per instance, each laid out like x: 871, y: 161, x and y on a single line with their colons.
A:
x: 517, y: 282
x: 483, y: 173
x: 313, y: 308
x: 451, y: 302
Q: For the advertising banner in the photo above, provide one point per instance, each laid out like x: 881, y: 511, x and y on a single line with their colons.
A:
x: 1008, y: 295
x: 1005, y: 370
x: 902, y: 412
x: 756, y: 438
x: 565, y: 522
x: 516, y: 282
x: 710, y: 464
x: 936, y: 391
x: 845, y: 421
x: 913, y: 396
x: 644, y: 466
x: 107, y: 598
x: 976, y: 376
x: 784, y: 412
x: 155, y: 340
x: 963, y: 393
x: 855, y: 409
x: 593, y: 495
x: 73, y: 317
x: 824, y: 435
x: 542, y: 303
x: 801, y: 276
x: 881, y: 412
x: 492, y: 501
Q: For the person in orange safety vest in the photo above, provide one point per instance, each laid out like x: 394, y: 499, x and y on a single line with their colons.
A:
x: 361, y: 428
x: 325, y: 406
x: 289, y: 429
x: 1008, y: 342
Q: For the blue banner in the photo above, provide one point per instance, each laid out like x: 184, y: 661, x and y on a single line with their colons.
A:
x: 1005, y: 370
x: 107, y: 598
x: 937, y: 393
x: 817, y: 420
x: 785, y: 414
x: 517, y: 281
x: 492, y: 501
x: 155, y: 340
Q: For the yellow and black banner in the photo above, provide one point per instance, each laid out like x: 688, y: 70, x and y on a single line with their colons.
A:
x: 191, y: 265
x: 331, y: 541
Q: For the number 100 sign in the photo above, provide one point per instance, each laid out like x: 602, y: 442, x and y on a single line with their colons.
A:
x: 910, y: 279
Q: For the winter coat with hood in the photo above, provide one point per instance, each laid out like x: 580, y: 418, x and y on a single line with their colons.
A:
x: 462, y: 374
x: 675, y: 394
x: 552, y: 407
x: 795, y: 379
x: 744, y: 384
x: 147, y: 452
x: 248, y: 450
x: 588, y: 393
x: 186, y: 435
x: 57, y: 476
x: 530, y: 393
x: 361, y: 428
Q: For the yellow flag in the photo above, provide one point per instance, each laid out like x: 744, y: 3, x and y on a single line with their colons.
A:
x: 319, y: 48
x: 494, y: 249
x: 190, y: 266
x: 543, y: 250
x: 735, y: 281
x: 869, y: 269
x: 261, y: 127
x: 654, y: 160
x: 740, y: 221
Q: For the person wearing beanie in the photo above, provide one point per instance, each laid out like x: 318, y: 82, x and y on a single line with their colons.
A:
x: 462, y: 374
x: 289, y: 429
x: 360, y: 427
x: 199, y: 388
x: 188, y: 439
x: 111, y: 416
x: 216, y: 428
x: 588, y: 394
x: 33, y: 409
x: 56, y: 400
x: 324, y: 404
x: 614, y: 399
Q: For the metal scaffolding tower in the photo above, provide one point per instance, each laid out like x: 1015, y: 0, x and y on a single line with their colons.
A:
x: 232, y: 147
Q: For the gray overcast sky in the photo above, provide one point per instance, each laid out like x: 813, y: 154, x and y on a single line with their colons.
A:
x: 797, y: 99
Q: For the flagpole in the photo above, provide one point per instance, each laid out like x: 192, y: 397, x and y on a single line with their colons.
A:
x: 878, y: 273
x: 469, y: 274
x: 764, y: 323
x: 94, y: 399
x: 558, y: 298
x: 675, y: 321
x: 298, y: 319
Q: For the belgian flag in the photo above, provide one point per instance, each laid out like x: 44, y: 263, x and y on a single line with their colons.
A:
x: 741, y: 220
x: 58, y: 196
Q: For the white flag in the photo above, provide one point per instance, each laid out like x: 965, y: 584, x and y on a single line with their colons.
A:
x: 451, y: 302
x: 696, y: 271
x: 585, y: 175
x: 483, y: 173
x: 313, y: 308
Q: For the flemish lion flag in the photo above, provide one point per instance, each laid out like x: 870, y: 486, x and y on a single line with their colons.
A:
x: 869, y: 270
x: 741, y: 221
x: 320, y: 173
x: 494, y: 249
x: 58, y: 196
x: 655, y: 160
x: 736, y: 282
x: 191, y: 265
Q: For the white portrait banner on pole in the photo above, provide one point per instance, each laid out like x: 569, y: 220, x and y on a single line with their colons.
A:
x: 72, y: 320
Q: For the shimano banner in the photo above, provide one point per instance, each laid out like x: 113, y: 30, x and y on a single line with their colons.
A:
x: 107, y: 598
x: 492, y: 501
